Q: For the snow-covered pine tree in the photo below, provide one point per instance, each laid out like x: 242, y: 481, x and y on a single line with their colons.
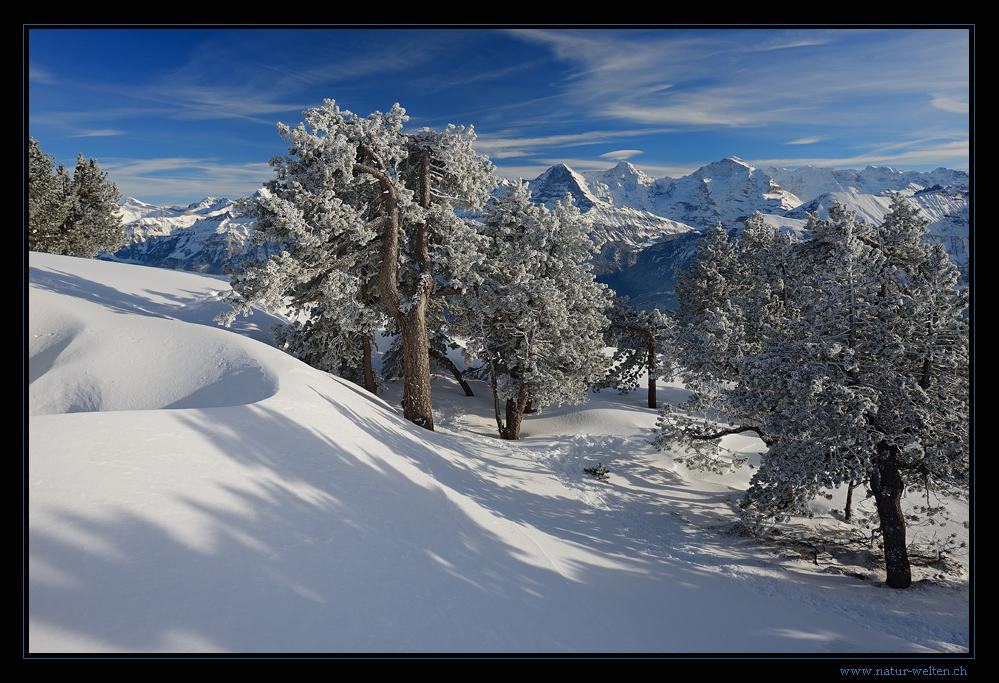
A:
x: 640, y: 341
x: 536, y: 320
x: 73, y: 216
x: 47, y: 208
x: 768, y: 295
x: 868, y: 383
x: 731, y: 298
x: 367, y: 215
x: 709, y: 323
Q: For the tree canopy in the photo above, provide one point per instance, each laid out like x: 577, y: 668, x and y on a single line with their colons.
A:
x: 366, y: 214
x: 537, y: 316
x: 861, y: 373
x: 72, y: 216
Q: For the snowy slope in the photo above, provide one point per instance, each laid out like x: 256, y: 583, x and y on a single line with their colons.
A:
x: 194, y: 489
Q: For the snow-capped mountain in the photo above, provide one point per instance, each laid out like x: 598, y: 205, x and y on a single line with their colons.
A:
x: 651, y: 227
x: 556, y: 182
x: 205, y: 236
x: 808, y: 182
x: 723, y: 191
x: 646, y: 227
x: 618, y: 203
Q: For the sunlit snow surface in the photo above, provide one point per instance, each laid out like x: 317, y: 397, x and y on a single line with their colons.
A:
x: 194, y: 489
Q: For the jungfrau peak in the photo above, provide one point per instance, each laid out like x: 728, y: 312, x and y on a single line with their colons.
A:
x: 724, y: 191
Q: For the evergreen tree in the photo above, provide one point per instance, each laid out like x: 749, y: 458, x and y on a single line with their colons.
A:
x: 639, y: 339
x: 72, y: 216
x: 46, y: 205
x: 537, y: 318
x: 366, y: 213
x: 708, y: 319
x: 867, y: 379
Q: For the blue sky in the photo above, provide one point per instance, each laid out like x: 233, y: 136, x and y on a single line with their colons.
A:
x: 177, y: 114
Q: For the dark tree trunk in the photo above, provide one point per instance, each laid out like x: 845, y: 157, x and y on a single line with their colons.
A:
x: 412, y: 319
x: 369, y: 371
x: 886, y: 483
x: 446, y: 362
x: 515, y: 414
x: 416, y: 404
x: 848, y: 509
x: 651, y: 366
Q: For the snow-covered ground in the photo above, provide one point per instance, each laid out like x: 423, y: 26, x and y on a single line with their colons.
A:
x: 194, y: 489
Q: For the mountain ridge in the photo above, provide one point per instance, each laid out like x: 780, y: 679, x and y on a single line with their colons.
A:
x: 630, y: 213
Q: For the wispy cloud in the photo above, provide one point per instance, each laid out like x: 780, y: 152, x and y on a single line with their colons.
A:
x: 953, y: 153
x: 39, y: 74
x: 621, y: 154
x: 956, y: 103
x: 155, y: 179
x: 702, y: 79
x: 97, y: 133
x: 507, y: 144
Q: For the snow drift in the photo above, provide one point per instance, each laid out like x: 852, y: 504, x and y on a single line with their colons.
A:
x: 194, y: 489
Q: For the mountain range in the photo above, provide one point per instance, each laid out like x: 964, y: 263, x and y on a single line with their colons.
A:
x: 647, y: 227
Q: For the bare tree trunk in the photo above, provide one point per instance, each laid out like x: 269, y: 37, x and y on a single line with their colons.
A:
x: 886, y: 483
x: 416, y: 404
x: 411, y: 318
x: 515, y: 414
x: 369, y: 371
x: 651, y: 366
x: 848, y: 509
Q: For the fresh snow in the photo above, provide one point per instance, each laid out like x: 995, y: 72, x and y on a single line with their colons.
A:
x: 194, y: 489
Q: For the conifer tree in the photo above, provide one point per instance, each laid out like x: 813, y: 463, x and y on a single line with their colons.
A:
x: 73, y: 216
x: 640, y: 339
x: 536, y: 320
x: 46, y: 205
x: 366, y: 213
x: 867, y: 380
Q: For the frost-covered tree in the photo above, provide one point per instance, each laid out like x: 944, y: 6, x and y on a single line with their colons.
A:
x: 738, y: 292
x: 770, y: 273
x: 73, y: 216
x: 640, y: 340
x: 47, y: 208
x: 731, y: 297
x: 866, y: 381
x: 366, y: 213
x: 536, y: 320
x: 708, y: 318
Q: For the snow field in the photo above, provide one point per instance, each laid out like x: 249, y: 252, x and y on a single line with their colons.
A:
x: 193, y: 489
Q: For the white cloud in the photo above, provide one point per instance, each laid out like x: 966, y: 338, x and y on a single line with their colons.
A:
x: 957, y: 104
x: 748, y: 77
x: 180, y: 180
x: 98, y: 133
x: 621, y: 154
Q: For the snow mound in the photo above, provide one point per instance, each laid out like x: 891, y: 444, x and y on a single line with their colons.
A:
x: 86, y: 355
